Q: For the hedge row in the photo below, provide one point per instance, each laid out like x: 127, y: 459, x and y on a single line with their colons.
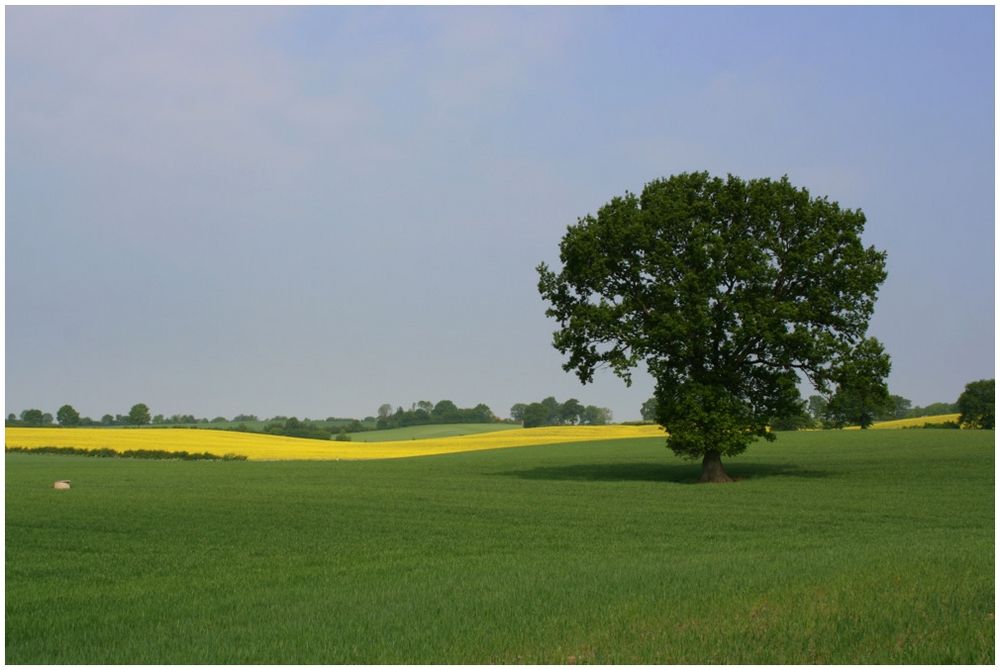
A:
x: 129, y: 453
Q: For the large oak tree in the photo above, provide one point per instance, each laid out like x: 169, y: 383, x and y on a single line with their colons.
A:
x: 727, y: 290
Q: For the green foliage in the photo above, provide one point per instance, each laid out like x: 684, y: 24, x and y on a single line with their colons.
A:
x: 725, y: 290
x: 900, y: 408
x: 976, y: 404
x: 536, y: 414
x: 648, y: 410
x: 550, y: 412
x: 32, y: 417
x: 934, y: 409
x: 292, y: 427
x: 596, y: 416
x: 138, y: 415
x: 68, y: 416
x: 571, y: 412
x: 816, y: 406
x: 862, y: 395
x: 800, y: 420
x: 595, y: 553
x: 156, y: 454
x: 444, y: 412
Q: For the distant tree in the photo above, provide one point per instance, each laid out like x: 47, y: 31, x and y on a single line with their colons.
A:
x: 444, y: 410
x: 384, y: 411
x: 12, y: 417
x: 219, y: 419
x: 552, y: 407
x: 976, y: 404
x: 648, y: 410
x: 47, y: 419
x: 67, y: 416
x: 816, y: 406
x: 794, y: 421
x: 107, y: 420
x: 571, y: 412
x: 933, y: 409
x: 516, y: 411
x: 900, y: 407
x: 138, y: 415
x: 239, y: 418
x: 32, y: 417
x: 536, y: 414
x: 425, y: 405
x: 861, y: 394
x: 481, y: 413
x: 726, y: 291
x: 293, y: 427
x: 596, y: 416
x: 849, y: 408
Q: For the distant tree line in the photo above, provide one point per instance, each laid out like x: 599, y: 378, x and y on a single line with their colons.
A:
x: 314, y: 430
x: 856, y: 408
x: 67, y: 416
x: 425, y: 412
x: 139, y: 415
x: 550, y: 412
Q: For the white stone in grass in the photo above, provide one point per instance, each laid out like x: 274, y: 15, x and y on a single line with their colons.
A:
x: 61, y: 484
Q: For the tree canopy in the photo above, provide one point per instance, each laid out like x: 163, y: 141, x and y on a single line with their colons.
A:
x: 138, y: 415
x: 68, y: 416
x: 977, y: 404
x: 727, y: 290
x: 551, y: 412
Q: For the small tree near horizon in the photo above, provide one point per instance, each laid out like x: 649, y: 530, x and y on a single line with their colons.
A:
x: 726, y: 290
x: 977, y: 404
x: 68, y: 416
x: 138, y: 415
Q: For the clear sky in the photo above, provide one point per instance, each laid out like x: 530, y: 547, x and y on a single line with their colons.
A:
x: 314, y: 211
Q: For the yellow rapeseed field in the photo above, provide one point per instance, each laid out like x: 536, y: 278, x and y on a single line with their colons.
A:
x: 910, y: 423
x: 256, y: 446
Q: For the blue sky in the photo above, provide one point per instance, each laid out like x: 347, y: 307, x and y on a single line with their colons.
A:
x: 314, y: 211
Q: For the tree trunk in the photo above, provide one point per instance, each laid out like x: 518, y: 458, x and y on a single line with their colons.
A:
x: 712, y: 471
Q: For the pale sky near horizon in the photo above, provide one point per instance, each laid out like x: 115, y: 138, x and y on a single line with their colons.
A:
x: 313, y: 211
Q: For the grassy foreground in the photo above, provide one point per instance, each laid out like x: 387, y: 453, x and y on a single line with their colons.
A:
x: 836, y: 547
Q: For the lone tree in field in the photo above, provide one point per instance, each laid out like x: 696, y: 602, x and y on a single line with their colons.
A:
x: 138, y: 415
x: 727, y: 290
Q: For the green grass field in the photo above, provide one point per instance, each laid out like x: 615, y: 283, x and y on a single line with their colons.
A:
x: 835, y: 547
x: 426, y: 432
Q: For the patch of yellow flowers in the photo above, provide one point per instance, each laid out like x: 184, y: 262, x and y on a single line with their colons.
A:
x: 256, y: 446
x: 910, y: 423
